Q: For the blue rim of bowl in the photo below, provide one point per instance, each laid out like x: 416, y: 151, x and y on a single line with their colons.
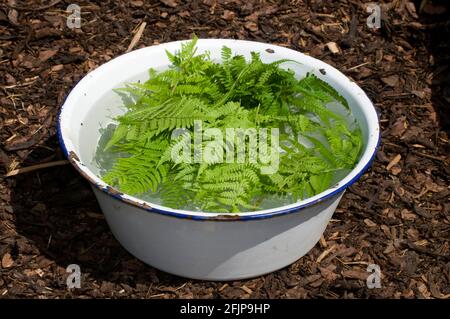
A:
x: 217, y: 216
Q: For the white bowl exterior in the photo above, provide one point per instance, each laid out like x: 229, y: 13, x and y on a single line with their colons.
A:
x: 216, y: 250
x: 206, y: 249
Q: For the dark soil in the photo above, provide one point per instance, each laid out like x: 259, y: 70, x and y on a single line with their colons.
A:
x: 396, y: 216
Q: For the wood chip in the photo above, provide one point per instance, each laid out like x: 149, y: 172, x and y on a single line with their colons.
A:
x: 7, y: 261
x: 170, y: 3
x: 395, y: 170
x: 46, y: 54
x: 57, y: 68
x: 422, y: 242
x: 386, y: 230
x: 15, y: 143
x: 394, y: 161
x: 228, y: 15
x: 369, y: 223
x: 355, y: 274
x: 333, y: 47
x: 4, y: 159
x: 223, y: 287
x: 323, y: 242
x: 389, y: 249
x: 399, y: 127
x: 137, y: 36
x: 251, y: 26
x: 391, y: 80
x: 334, y: 236
x: 423, y: 290
x: 317, y: 283
x: 325, y: 253
x: 411, y: 9
x: 35, y: 167
x: 95, y: 215
x: 247, y: 290
x: 13, y: 16
x: 328, y: 273
x: 137, y: 3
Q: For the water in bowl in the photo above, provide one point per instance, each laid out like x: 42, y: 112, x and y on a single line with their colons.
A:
x: 104, y: 160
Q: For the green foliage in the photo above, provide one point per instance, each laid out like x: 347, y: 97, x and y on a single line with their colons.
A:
x: 236, y: 93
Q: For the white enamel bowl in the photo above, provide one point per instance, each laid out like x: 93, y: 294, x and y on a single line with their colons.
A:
x: 203, y: 245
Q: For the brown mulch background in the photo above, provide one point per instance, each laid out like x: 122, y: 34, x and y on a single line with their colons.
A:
x: 396, y: 216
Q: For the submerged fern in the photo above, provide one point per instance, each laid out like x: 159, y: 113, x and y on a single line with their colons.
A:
x: 315, y: 142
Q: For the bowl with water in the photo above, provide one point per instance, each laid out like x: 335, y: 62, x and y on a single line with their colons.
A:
x: 194, y: 239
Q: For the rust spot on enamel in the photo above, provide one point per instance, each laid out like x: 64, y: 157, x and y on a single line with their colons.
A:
x: 75, y: 161
x: 131, y: 202
x: 228, y: 217
x: 146, y: 206
x: 113, y: 191
x: 126, y: 200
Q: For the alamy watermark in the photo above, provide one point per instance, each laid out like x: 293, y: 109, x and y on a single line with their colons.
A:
x: 74, y: 278
x: 74, y: 19
x: 374, y: 19
x: 232, y: 145
x: 374, y: 279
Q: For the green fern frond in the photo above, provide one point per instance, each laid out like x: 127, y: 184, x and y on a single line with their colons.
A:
x: 314, y: 141
x: 321, y: 90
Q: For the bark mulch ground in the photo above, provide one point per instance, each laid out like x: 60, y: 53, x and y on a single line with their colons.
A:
x: 396, y: 216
